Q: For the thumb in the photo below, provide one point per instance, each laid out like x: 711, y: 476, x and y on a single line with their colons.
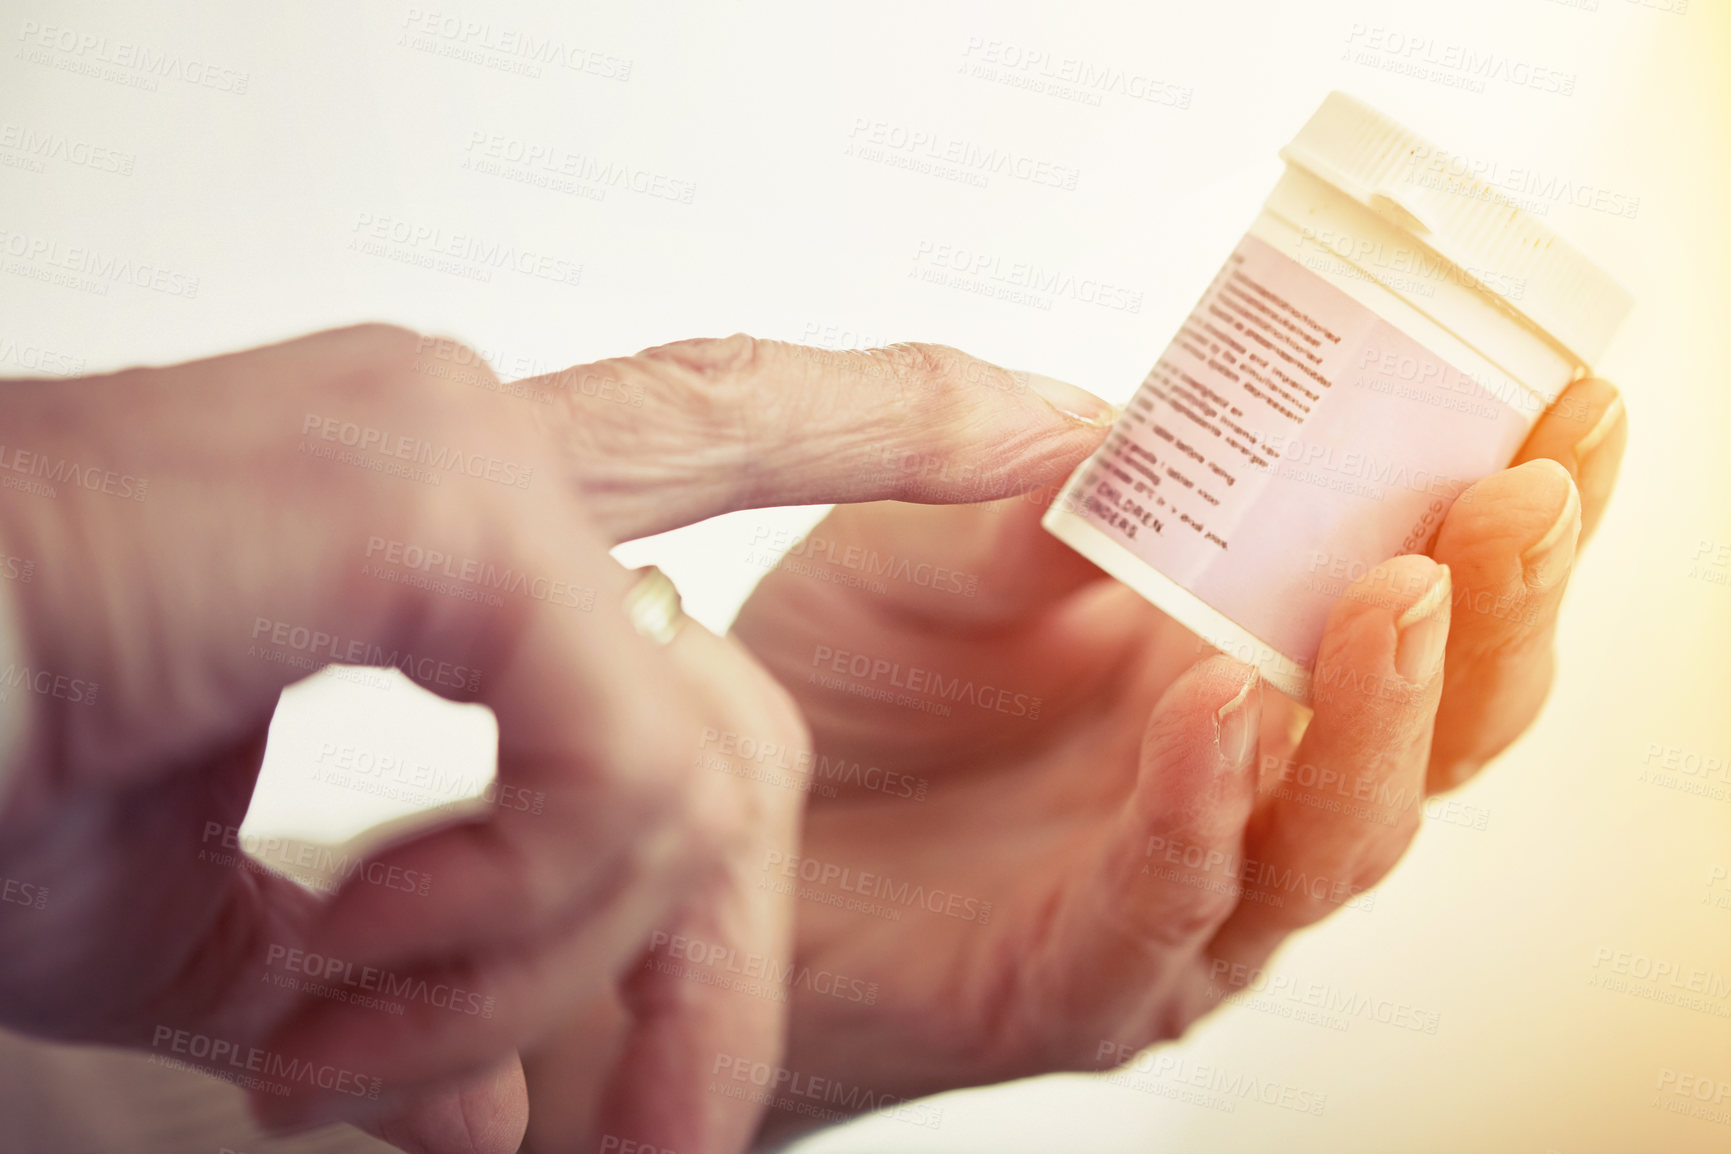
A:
x: 688, y: 430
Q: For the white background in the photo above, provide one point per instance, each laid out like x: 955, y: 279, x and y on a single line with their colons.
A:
x: 258, y: 196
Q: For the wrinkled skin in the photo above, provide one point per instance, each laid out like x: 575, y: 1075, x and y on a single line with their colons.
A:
x: 1136, y: 856
x: 1104, y: 869
x: 189, y: 600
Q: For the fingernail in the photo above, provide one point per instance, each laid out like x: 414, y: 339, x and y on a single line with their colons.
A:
x: 1550, y: 556
x: 1423, y: 630
x: 1237, y: 724
x: 1073, y: 403
x: 1600, y: 430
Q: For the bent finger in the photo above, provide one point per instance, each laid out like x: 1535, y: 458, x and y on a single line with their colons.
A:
x: 570, y: 832
x: 712, y: 990
x: 1150, y: 896
x: 1510, y: 545
x: 1335, y: 818
x: 1586, y: 432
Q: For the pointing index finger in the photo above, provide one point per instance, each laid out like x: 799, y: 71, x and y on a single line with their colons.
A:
x: 740, y: 423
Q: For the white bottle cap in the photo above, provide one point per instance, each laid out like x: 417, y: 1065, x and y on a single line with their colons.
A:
x: 1469, y: 223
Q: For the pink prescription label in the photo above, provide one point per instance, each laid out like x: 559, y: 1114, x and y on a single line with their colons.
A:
x: 1289, y: 441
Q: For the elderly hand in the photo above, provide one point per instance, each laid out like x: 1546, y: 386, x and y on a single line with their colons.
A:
x: 1106, y: 824
x: 198, y: 536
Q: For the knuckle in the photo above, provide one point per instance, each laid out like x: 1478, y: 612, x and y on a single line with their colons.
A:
x: 664, y: 761
x: 711, y: 357
x: 1169, y: 910
x: 948, y: 371
x: 720, y: 822
x: 1378, y: 855
x: 1188, y: 922
x: 915, y: 361
x: 926, y: 387
x: 366, y: 360
x: 1519, y: 637
x: 382, y: 359
x: 706, y: 839
x: 385, y: 359
x: 383, y: 339
x: 708, y: 386
x: 649, y: 764
x: 1485, y: 531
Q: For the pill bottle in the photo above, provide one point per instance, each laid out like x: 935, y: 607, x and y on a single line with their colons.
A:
x: 1386, y: 334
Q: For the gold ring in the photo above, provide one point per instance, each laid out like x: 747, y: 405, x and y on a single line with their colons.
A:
x: 653, y: 605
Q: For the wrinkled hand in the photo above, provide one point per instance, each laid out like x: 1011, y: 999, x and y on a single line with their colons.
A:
x: 1057, y: 826
x: 199, y: 536
x: 797, y: 425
